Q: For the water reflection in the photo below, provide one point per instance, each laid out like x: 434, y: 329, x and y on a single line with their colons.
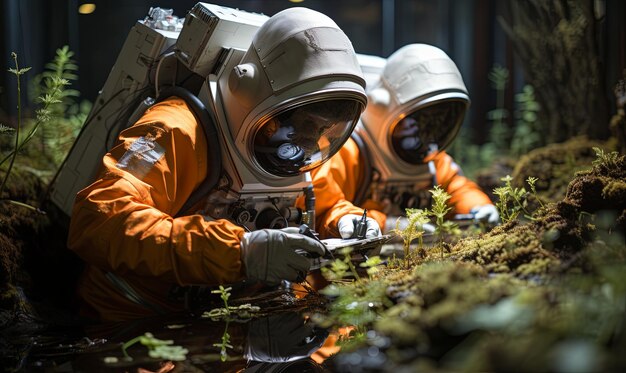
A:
x: 276, y: 343
x: 283, y: 338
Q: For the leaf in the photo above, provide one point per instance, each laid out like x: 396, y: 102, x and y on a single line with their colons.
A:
x: 530, y: 116
x: 533, y: 106
x: 6, y: 129
x: 372, y: 261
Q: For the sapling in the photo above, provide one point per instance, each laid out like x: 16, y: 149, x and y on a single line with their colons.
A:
x: 531, y: 182
x: 56, y: 86
x: 416, y: 218
x: 439, y: 211
x: 511, y: 201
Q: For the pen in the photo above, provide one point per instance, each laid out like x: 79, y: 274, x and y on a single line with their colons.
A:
x: 361, y: 226
x: 307, y: 231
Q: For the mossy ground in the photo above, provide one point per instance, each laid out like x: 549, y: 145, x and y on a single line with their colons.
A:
x: 555, y: 166
x: 539, y: 294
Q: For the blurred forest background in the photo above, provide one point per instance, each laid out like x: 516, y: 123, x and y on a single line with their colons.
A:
x: 537, y: 71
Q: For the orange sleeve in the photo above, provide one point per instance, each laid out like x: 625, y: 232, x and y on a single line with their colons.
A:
x: 335, y: 185
x: 465, y: 194
x: 123, y: 221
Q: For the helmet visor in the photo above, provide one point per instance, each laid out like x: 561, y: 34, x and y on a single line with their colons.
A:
x: 427, y: 129
x: 301, y: 138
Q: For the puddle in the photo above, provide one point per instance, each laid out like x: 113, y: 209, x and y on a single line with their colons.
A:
x: 284, y: 340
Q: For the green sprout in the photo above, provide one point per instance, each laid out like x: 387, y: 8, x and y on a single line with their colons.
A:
x: 157, y: 348
x: 224, y: 344
x: 224, y: 294
x: 511, y: 201
x: 416, y: 219
x: 242, y: 311
x: 531, y: 182
x: 439, y: 211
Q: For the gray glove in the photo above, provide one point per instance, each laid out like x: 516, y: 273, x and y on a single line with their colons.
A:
x: 488, y: 213
x: 269, y: 255
x: 347, y: 226
x: 403, y: 222
x: 283, y: 337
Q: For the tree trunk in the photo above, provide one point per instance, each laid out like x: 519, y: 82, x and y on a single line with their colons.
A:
x: 557, y: 43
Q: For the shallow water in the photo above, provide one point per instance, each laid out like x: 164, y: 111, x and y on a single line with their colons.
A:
x: 281, y: 341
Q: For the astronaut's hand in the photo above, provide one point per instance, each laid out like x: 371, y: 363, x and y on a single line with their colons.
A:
x: 402, y: 222
x: 347, y: 226
x: 269, y: 255
x: 488, y: 213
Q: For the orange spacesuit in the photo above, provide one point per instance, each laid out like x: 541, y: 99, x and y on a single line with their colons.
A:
x: 273, y: 125
x: 416, y: 104
x: 341, y: 177
x: 124, y: 225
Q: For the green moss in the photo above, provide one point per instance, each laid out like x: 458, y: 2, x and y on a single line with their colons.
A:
x: 554, y: 166
x: 558, y: 233
x: 614, y: 190
x: 511, y: 248
x: 429, y: 300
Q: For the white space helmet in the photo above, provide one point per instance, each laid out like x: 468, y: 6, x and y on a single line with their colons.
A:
x: 296, y: 95
x: 417, y: 105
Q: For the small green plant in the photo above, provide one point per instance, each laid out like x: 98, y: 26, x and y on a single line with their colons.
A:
x: 372, y: 264
x: 439, y: 211
x: 531, y: 182
x: 336, y: 271
x: 242, y: 311
x: 224, y: 345
x: 157, y: 348
x: 609, y: 160
x: 341, y: 266
x: 526, y: 134
x: 224, y: 294
x: 67, y: 115
x: 43, y: 115
x: 416, y: 218
x: 511, y: 201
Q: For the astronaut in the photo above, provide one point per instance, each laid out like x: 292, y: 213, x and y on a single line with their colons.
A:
x: 415, y: 110
x: 289, y: 104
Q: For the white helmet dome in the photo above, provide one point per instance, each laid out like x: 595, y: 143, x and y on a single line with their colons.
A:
x: 418, y: 105
x: 296, y: 95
